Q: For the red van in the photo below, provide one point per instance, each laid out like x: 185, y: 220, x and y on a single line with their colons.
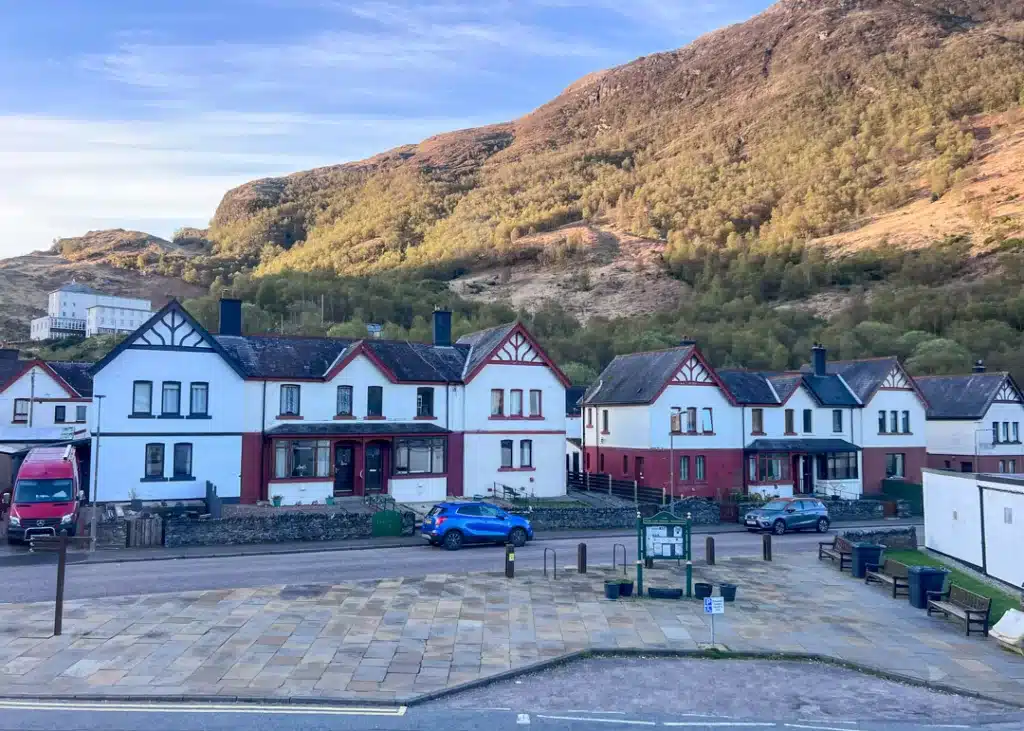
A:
x: 46, y: 495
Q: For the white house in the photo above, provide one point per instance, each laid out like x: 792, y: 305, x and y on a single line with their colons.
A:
x: 43, y: 401
x: 574, y: 429
x: 976, y: 518
x: 311, y: 418
x: 70, y: 312
x: 974, y: 422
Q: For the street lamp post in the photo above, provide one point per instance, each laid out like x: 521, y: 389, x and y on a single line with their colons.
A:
x: 673, y: 426
x: 95, y: 473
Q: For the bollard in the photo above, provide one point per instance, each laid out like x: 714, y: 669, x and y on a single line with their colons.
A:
x: 581, y: 558
x: 766, y: 546
x: 648, y: 562
x: 510, y: 561
x: 709, y: 550
x: 689, y: 579
x: 62, y: 562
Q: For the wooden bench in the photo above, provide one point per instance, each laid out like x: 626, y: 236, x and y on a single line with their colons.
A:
x: 838, y: 549
x: 973, y: 609
x: 890, y: 572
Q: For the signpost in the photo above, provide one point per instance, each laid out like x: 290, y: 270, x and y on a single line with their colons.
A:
x: 661, y: 536
x: 714, y: 605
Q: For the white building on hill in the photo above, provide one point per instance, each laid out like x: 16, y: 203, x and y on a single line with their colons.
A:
x: 76, y: 310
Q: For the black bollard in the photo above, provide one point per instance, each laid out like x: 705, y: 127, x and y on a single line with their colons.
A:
x: 709, y: 550
x: 581, y: 558
x: 649, y: 562
x: 766, y: 546
x: 510, y: 561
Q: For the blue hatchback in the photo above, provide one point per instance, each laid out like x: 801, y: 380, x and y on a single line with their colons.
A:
x: 454, y: 524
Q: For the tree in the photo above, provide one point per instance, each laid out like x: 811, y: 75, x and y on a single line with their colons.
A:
x: 939, y: 357
x: 580, y: 374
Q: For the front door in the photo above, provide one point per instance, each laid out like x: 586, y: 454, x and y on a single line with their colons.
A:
x: 374, y: 468
x: 344, y: 470
x: 576, y: 462
x: 807, y: 481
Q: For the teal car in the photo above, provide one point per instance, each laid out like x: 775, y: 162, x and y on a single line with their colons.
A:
x: 786, y: 514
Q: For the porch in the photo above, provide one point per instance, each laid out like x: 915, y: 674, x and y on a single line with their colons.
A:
x: 788, y: 467
x: 312, y: 462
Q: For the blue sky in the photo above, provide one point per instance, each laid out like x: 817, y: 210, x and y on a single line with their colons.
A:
x: 142, y: 113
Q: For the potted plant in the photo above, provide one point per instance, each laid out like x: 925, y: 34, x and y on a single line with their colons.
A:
x: 625, y: 587
x: 329, y: 500
x: 728, y: 592
x: 611, y: 589
x: 702, y: 590
x: 277, y: 500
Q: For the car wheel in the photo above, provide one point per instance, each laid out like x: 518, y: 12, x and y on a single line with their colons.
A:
x: 517, y: 537
x: 453, y: 540
x: 822, y: 525
x: 779, y: 527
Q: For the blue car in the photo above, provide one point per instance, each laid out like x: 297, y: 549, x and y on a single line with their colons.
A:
x: 454, y: 524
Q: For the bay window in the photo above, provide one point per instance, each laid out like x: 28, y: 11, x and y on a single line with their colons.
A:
x: 769, y: 467
x: 420, y: 456
x: 302, y: 458
x: 838, y: 466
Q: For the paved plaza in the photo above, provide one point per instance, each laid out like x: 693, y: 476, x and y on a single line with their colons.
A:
x: 394, y: 639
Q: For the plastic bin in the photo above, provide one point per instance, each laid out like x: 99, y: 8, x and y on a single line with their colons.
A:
x: 864, y: 554
x: 923, y: 579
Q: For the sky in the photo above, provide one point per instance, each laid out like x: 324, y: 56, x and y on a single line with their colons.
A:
x: 141, y: 114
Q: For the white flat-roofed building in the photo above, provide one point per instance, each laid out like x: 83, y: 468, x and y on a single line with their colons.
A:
x: 105, y: 319
x: 68, y: 313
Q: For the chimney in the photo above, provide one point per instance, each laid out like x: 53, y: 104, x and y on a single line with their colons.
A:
x: 979, y: 366
x: 8, y: 353
x: 687, y: 342
x: 442, y: 327
x: 818, y: 359
x: 230, y: 317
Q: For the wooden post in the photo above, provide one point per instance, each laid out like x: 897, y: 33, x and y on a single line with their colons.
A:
x: 58, y: 613
x: 709, y: 550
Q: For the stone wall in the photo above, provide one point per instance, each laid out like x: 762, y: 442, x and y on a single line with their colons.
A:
x: 702, y: 512
x: 275, y: 527
x: 888, y: 537
x: 838, y: 509
x: 580, y: 518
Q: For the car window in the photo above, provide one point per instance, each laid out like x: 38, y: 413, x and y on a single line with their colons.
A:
x: 436, y: 510
x: 776, y: 505
x: 469, y: 510
x: 803, y: 505
x: 489, y: 512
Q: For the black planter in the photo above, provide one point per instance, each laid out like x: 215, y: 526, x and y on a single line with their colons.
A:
x: 611, y: 589
x: 702, y: 590
x: 136, y: 505
x: 657, y: 592
x: 728, y: 592
x: 625, y: 588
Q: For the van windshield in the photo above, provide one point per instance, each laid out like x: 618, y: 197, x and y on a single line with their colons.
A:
x: 43, y: 491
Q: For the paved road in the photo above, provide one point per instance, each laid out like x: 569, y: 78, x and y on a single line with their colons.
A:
x: 37, y: 582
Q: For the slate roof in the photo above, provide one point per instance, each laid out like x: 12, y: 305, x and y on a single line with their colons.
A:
x: 830, y: 390
x: 271, y: 356
x: 572, y: 396
x: 808, y: 446
x: 421, y: 361
x: 960, y: 397
x: 785, y: 383
x: 749, y: 387
x: 636, y: 378
x: 9, y: 370
x: 342, y: 428
x: 75, y: 374
x: 481, y: 344
x: 863, y: 376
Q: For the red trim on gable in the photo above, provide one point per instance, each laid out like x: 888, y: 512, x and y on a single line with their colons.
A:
x: 536, y: 347
x: 360, y: 349
x: 29, y: 365
x: 695, y: 352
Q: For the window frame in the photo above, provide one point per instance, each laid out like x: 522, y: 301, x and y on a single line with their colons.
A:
x: 539, y: 413
x: 135, y: 401
x: 161, y: 450
x: 374, y: 393
x: 757, y: 421
x: 758, y: 467
x: 896, y: 465
x: 691, y: 420
x: 287, y: 388
x: 405, y: 445
x: 425, y: 402
x: 838, y: 466
x: 165, y: 388
x: 590, y: 417
x: 497, y: 404
x: 60, y: 414
x: 194, y: 388
x: 995, y: 432
x: 882, y: 422
x: 604, y: 421
x: 625, y: 464
x: 790, y: 421
x: 513, y: 411
x: 507, y: 446
x: 344, y: 388
x: 837, y: 421
x: 808, y: 421
x: 894, y: 422
x: 1015, y: 426
x: 177, y: 474
x: 1006, y: 432
x: 290, y: 446
x: 526, y: 454
x: 905, y: 422
x: 700, y: 468
x: 708, y: 428
x: 81, y: 413
x: 684, y: 468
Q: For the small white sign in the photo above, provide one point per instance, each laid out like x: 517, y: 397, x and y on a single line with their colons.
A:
x: 714, y: 605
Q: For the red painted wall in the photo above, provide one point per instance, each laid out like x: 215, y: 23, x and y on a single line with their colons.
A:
x: 252, y: 488
x: 873, y: 466
x: 723, y: 469
x: 981, y: 463
x: 456, y: 463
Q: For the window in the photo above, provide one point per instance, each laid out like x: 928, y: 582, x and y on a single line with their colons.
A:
x: 142, y: 398
x: 590, y: 418
x: 1015, y: 427
x: 536, y: 401
x: 995, y: 432
x: 881, y: 422
x: 808, y: 421
x: 343, y: 407
x: 515, y: 402
x: 838, y: 466
x: 691, y: 420
x: 769, y: 467
x: 506, y: 455
x: 183, y: 461
x: 707, y: 423
x: 199, y: 399
x: 374, y: 401
x: 302, y: 458
x: 684, y: 469
x: 1002, y: 465
x: 1011, y: 466
x: 497, y: 402
x: 757, y: 421
x: 625, y: 464
x: 894, y: 422
x: 604, y: 421
x: 837, y: 420
x: 790, y: 421
x: 290, y: 400
x: 154, y: 461
x: 700, y: 468
x: 1006, y: 431
x: 526, y: 453
x: 420, y: 456
x: 60, y: 414
x: 80, y: 414
x: 895, y: 465
x: 425, y: 402
x: 906, y: 422
x: 170, y: 403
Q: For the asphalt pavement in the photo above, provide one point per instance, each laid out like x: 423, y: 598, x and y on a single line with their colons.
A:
x: 29, y: 583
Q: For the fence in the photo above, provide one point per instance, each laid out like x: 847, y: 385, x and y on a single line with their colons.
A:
x: 145, y: 532
x: 625, y: 489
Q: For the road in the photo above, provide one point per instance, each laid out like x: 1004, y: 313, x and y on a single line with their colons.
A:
x: 37, y: 582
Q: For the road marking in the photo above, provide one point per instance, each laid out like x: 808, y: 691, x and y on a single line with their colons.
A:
x: 523, y: 719
x: 599, y: 720
x: 818, y: 728
x: 157, y: 707
x: 725, y: 724
x: 597, y: 713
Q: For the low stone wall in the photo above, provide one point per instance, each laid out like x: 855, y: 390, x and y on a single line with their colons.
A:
x: 866, y: 509
x: 888, y: 537
x: 579, y: 518
x: 275, y: 527
x: 111, y: 533
x: 702, y: 512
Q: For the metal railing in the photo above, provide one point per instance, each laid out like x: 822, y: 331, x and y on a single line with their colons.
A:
x: 625, y: 489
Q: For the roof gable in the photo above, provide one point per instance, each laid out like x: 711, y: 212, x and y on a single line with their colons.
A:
x: 75, y: 375
x: 640, y: 378
x: 506, y: 345
x: 866, y: 377
x: 26, y: 367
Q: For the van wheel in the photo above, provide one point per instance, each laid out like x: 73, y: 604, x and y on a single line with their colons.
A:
x: 779, y: 528
x: 453, y: 540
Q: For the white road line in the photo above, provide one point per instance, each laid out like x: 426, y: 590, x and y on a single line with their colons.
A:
x: 816, y: 728
x: 597, y: 713
x: 144, y: 707
x: 523, y: 719
x: 599, y: 720
x: 723, y: 724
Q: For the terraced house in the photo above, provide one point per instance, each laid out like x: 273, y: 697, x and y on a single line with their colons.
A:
x: 307, y: 418
x: 669, y: 420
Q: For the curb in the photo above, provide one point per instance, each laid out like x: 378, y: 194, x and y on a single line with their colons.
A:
x: 540, y: 665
